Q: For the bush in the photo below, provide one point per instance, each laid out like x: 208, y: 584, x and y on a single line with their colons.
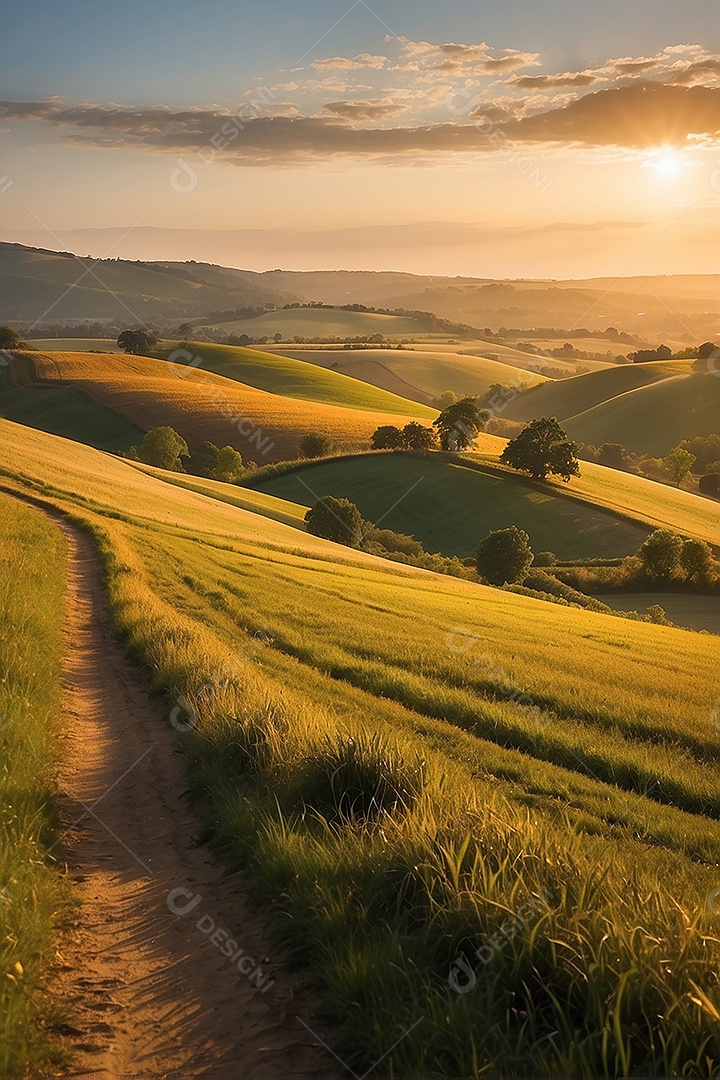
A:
x: 387, y: 437
x: 161, y: 447
x: 696, y: 559
x: 335, y: 519
x: 504, y: 556
x: 545, y: 558
x: 315, y: 445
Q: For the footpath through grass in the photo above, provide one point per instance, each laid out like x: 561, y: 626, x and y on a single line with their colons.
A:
x: 488, y: 825
x: 32, y: 580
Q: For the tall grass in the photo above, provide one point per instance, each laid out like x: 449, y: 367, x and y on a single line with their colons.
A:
x: 32, y: 576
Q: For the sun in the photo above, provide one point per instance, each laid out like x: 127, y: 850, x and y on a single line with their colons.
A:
x: 667, y: 162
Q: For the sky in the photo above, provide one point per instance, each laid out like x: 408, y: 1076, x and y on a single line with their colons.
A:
x: 559, y: 140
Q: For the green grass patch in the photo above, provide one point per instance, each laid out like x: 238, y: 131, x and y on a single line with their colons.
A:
x: 450, y: 507
x: 32, y: 577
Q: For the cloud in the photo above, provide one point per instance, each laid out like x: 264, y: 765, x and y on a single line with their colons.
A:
x: 459, y: 58
x: 353, y: 63
x: 549, y: 82
x: 642, y: 115
x: 360, y: 111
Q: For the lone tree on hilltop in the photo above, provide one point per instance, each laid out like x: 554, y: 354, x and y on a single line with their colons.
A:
x: 542, y: 449
x: 504, y: 556
x: 314, y: 445
x: 460, y: 423
x: 9, y: 338
x: 137, y: 342
x: 335, y: 519
x: 387, y: 437
x: 161, y: 447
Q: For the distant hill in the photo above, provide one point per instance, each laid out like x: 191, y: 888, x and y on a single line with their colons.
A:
x: 41, y: 285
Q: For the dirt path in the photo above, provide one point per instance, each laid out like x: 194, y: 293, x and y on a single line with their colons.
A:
x: 152, y: 995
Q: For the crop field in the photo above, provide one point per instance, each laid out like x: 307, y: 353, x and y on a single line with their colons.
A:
x: 458, y: 802
x: 202, y: 406
x: 422, y: 372
x: 296, y: 378
x: 326, y: 323
x: 33, y: 897
x: 450, y: 507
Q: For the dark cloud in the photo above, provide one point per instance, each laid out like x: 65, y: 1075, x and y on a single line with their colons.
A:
x: 637, y: 116
x: 362, y: 111
x: 550, y: 82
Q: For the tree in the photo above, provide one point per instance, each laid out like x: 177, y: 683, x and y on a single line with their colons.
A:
x: 163, y: 448
x: 417, y: 437
x: 504, y: 556
x: 541, y: 449
x: 314, y: 445
x: 335, y: 519
x: 710, y: 484
x: 448, y: 397
x: 679, y: 462
x: 696, y: 559
x: 460, y: 423
x: 228, y: 465
x: 185, y: 329
x: 707, y: 349
x: 9, y: 338
x: 613, y: 456
x: 137, y: 342
x: 660, y: 555
x: 203, y: 461
x: 647, y: 356
x: 387, y: 437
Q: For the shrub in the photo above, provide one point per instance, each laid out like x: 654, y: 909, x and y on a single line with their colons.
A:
x: 504, y: 556
x: 696, y: 559
x: 335, y: 519
x: 545, y: 558
x: 315, y: 445
x: 387, y: 437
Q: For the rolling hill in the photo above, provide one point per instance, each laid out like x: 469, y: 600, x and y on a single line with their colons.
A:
x: 296, y: 378
x: 203, y: 406
x: 422, y: 373
x: 520, y: 749
x: 449, y: 507
x: 568, y: 397
x: 316, y: 323
x: 39, y: 285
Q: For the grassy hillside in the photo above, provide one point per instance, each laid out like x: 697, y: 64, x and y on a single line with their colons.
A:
x: 314, y: 323
x: 403, y: 762
x: 420, y: 373
x: 201, y: 405
x: 568, y: 397
x: 106, y: 345
x: 653, y: 419
x: 64, y: 410
x: 32, y: 896
x: 296, y: 378
x: 449, y: 506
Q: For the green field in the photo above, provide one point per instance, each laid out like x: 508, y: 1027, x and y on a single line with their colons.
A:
x: 403, y: 762
x: 299, y: 379
x: 693, y: 612
x: 318, y: 323
x: 449, y: 507
x: 105, y: 345
x: 656, y: 418
x: 32, y: 895
x: 568, y: 397
x: 420, y: 373
x: 63, y: 410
